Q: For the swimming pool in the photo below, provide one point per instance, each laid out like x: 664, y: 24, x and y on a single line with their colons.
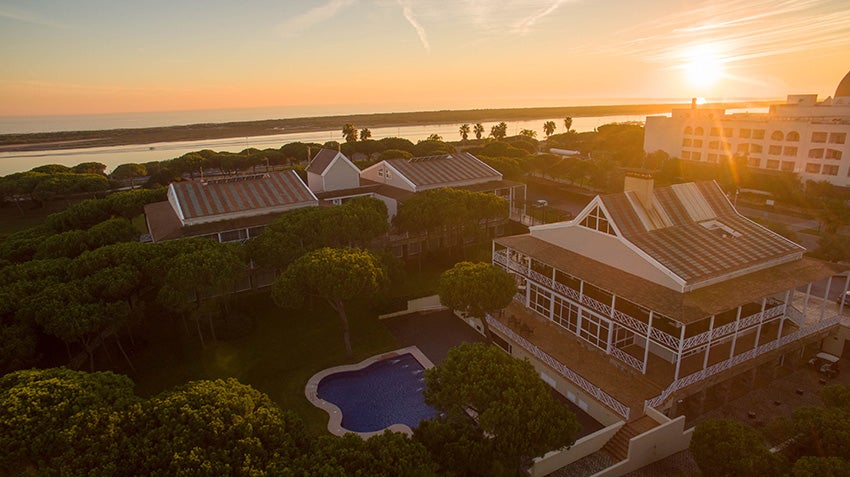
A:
x: 382, y: 392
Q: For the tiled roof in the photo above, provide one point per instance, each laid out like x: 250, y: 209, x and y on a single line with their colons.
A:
x: 444, y: 170
x: 685, y: 307
x: 198, y: 199
x: 321, y: 161
x: 698, y: 234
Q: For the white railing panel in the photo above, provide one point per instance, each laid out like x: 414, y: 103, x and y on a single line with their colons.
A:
x: 575, y: 378
x: 627, y: 358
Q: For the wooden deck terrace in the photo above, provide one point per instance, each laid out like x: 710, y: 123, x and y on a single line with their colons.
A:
x: 617, y: 379
x: 628, y: 385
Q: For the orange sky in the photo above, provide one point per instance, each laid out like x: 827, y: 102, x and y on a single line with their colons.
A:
x: 384, y: 55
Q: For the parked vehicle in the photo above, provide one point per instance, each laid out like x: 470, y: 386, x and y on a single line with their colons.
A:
x: 826, y: 364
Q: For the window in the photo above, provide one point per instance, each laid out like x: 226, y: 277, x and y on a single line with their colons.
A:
x: 790, y: 151
x: 686, y: 154
x: 697, y: 142
x: 793, y: 136
x: 837, y: 138
x: 813, y: 168
x: 594, y: 330
x: 726, y: 146
x: 753, y: 162
x: 233, y: 235
x: 743, y: 148
x: 686, y: 142
x: 818, y: 137
x: 830, y: 170
x: 381, y: 172
x: 788, y: 166
x: 774, y: 150
x: 772, y: 164
x: 758, y: 133
x: 745, y: 133
x: 699, y: 132
x: 689, y: 130
x: 540, y: 299
x: 596, y: 220
x: 695, y: 156
x: 256, y: 231
x: 756, y: 148
x: 713, y: 144
x: 712, y: 158
x: 816, y: 153
x: 777, y: 135
x: 833, y: 154
x: 566, y: 314
x: 715, y: 132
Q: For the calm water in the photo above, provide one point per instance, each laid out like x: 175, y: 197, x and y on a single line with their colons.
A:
x: 113, y: 156
x: 384, y: 393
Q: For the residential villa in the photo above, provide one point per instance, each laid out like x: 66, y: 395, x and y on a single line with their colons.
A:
x: 802, y: 136
x: 653, y: 300
x: 231, y: 209
x: 239, y: 207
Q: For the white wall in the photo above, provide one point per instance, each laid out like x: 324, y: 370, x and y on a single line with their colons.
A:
x: 583, y: 447
x: 341, y: 174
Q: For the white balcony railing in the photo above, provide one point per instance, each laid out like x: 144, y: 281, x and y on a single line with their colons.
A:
x: 595, y: 391
x: 690, y: 379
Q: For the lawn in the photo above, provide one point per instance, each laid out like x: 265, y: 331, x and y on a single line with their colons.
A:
x: 276, y: 355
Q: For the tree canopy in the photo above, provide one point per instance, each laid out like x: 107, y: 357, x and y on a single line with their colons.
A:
x: 476, y: 289
x: 335, y: 275
x: 724, y: 447
x: 516, y: 418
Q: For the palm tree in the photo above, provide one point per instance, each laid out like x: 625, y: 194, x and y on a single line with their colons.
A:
x: 549, y: 127
x: 528, y: 133
x: 568, y: 123
x: 464, y: 131
x: 479, y: 130
x: 349, y: 132
x: 365, y: 134
x: 499, y: 131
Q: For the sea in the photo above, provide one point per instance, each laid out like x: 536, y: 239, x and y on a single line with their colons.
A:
x: 113, y: 156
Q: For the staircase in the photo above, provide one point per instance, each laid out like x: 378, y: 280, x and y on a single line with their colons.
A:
x: 618, y: 445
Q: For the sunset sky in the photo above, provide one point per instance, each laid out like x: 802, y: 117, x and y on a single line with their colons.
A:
x: 88, y: 56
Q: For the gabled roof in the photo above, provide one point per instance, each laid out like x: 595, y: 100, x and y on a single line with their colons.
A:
x: 693, y: 231
x: 321, y: 161
x: 257, y: 194
x: 429, y: 172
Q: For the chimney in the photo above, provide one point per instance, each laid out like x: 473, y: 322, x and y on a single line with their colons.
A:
x: 641, y: 185
x: 309, y: 153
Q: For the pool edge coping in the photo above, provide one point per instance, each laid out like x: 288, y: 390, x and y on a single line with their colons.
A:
x: 335, y: 421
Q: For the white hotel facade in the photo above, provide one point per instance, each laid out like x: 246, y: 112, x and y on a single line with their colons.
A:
x: 802, y: 135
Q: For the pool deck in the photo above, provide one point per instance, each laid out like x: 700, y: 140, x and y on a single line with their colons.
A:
x: 335, y: 422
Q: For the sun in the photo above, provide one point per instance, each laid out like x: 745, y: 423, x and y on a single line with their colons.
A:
x: 703, y: 65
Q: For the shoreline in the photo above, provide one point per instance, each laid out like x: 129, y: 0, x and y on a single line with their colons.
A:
x: 203, y: 131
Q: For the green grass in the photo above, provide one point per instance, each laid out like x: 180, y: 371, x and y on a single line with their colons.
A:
x: 277, y: 357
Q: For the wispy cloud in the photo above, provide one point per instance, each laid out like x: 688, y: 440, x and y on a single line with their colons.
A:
x: 299, y: 23
x: 740, y: 30
x: 524, y: 25
x: 17, y: 15
x: 408, y: 15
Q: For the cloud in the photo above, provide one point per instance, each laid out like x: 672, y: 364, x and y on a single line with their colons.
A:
x: 10, y: 13
x: 738, y: 30
x: 420, y: 30
x: 524, y: 25
x: 299, y: 23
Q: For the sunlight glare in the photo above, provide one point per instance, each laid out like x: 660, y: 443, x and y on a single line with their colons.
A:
x: 703, y: 66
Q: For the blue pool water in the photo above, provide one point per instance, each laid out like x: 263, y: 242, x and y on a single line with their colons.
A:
x: 382, y: 394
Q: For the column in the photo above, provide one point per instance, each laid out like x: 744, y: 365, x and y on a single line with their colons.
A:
x: 806, y: 303
x: 825, y: 298
x: 708, y: 343
x: 761, y: 321
x: 611, y: 324
x: 646, y: 344
x: 735, y: 336
x: 843, y: 294
x: 679, y: 354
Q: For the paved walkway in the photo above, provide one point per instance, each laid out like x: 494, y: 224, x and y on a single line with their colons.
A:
x: 437, y: 332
